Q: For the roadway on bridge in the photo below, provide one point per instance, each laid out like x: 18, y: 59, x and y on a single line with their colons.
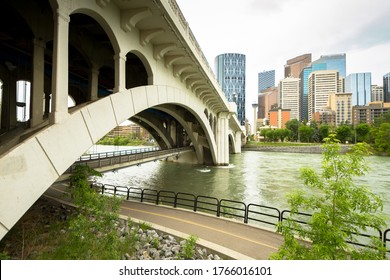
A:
x: 236, y: 239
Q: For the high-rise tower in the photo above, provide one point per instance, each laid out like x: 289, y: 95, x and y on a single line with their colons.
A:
x: 294, y: 66
x: 266, y: 80
x: 333, y: 62
x: 289, y: 96
x: 360, y: 86
x: 386, y: 87
x: 230, y: 71
x: 321, y: 84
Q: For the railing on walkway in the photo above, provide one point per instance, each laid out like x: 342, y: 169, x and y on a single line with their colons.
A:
x: 251, y: 213
x: 102, y: 155
x: 100, y: 160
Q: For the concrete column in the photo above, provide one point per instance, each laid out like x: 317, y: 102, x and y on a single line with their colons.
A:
x: 60, y: 68
x: 37, y: 86
x: 94, y: 82
x: 120, y: 72
x: 12, y: 102
x: 237, y: 146
x: 223, y: 139
x: 172, y: 132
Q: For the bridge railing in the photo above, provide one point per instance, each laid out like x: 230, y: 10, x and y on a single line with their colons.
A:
x: 100, y: 160
x: 95, y: 156
x: 251, y: 213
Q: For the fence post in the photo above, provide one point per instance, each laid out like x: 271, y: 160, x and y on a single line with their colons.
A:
x: 219, y: 208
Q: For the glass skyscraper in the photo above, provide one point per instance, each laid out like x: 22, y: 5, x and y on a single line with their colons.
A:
x: 230, y: 72
x: 333, y: 62
x: 360, y: 86
x: 266, y: 80
x: 386, y: 87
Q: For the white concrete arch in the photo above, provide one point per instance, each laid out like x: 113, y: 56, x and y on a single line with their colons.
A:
x: 56, y: 147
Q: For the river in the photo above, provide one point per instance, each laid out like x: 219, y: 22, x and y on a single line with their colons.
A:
x: 252, y: 177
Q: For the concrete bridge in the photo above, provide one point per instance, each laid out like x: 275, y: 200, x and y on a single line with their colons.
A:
x: 116, y: 60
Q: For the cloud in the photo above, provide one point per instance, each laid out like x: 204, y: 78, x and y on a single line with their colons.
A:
x: 376, y: 32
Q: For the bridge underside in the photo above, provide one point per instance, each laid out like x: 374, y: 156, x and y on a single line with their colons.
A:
x: 115, y: 60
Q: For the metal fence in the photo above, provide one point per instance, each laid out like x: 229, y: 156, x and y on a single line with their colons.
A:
x: 251, y: 213
x: 100, y: 160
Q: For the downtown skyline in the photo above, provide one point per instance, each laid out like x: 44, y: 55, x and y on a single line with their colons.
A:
x: 271, y: 32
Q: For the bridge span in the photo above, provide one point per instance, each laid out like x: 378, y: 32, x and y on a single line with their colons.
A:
x: 103, y: 162
x: 116, y: 60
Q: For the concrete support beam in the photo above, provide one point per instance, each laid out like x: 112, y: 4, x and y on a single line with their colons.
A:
x: 60, y: 68
x: 130, y: 18
x: 37, y: 85
x: 102, y: 3
x: 170, y: 59
x: 160, y: 50
x: 93, y: 88
x: 148, y: 34
x: 178, y: 69
x: 223, y: 139
x: 120, y: 72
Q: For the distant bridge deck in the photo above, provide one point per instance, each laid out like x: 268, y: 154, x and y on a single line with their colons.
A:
x: 120, y: 159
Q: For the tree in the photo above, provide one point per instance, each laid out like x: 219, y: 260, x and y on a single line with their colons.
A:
x: 385, y: 118
x: 324, y: 131
x: 271, y: 135
x: 284, y: 133
x: 344, y: 133
x: 339, y: 208
x: 362, y: 131
x: 293, y: 125
x: 263, y: 132
x: 306, y: 133
x: 382, y: 138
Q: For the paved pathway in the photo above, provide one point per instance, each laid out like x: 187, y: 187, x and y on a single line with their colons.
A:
x: 233, y: 238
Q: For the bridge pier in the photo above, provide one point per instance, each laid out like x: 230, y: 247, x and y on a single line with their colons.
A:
x: 60, y: 76
x: 223, y: 138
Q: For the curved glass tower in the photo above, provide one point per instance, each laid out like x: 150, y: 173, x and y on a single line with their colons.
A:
x: 230, y: 72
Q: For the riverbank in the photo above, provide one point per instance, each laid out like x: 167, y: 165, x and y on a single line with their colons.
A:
x: 34, y: 237
x: 286, y: 148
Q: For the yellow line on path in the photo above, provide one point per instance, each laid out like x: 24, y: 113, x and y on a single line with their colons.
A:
x: 200, y: 225
x: 191, y: 223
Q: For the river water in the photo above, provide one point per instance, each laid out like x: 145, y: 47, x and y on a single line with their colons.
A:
x: 252, y: 177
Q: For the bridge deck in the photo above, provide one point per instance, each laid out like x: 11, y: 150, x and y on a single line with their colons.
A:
x: 246, y: 240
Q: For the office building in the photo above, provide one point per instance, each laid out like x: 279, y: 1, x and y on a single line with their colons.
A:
x: 386, y: 87
x: 321, y: 84
x: 368, y: 113
x: 341, y: 104
x: 230, y: 72
x: 278, y: 117
x: 376, y: 93
x: 294, y: 66
x: 267, y: 100
x: 288, y: 97
x: 360, y: 86
x: 333, y: 62
x: 266, y: 79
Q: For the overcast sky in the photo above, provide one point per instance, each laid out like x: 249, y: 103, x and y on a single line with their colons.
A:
x: 269, y: 32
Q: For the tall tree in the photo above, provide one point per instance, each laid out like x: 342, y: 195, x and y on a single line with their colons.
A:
x: 293, y: 125
x: 339, y: 208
